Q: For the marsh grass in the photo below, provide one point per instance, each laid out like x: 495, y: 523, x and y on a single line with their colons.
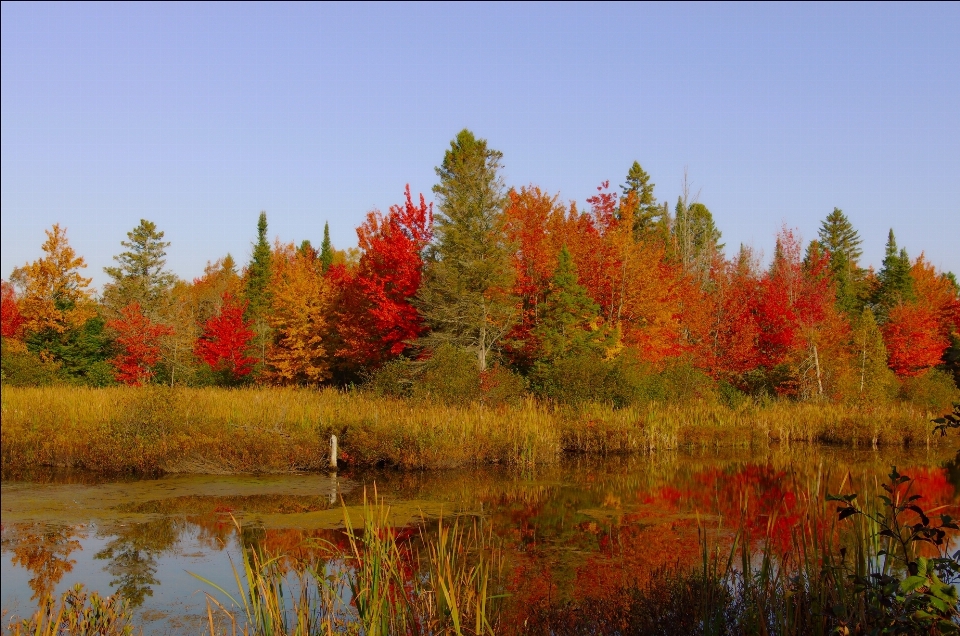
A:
x: 157, y: 429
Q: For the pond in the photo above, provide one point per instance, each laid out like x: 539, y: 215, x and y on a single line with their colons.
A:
x: 580, y: 528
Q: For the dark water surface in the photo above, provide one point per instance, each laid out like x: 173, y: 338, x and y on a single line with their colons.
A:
x: 581, y: 527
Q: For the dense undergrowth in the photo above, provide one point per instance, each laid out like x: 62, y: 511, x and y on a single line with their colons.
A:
x: 156, y: 429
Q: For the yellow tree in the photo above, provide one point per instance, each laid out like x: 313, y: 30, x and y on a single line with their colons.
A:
x: 53, y: 294
x: 299, y: 308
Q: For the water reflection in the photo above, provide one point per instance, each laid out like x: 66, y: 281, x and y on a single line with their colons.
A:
x: 587, y: 529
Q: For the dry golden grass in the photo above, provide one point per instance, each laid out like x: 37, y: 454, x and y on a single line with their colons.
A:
x: 209, y: 430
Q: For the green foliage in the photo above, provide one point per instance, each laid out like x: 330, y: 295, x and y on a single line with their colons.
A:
x: 649, y: 213
x: 465, y: 296
x: 449, y: 376
x: 568, y: 316
x: 951, y: 359
x: 838, y: 236
x: 140, y: 276
x: 258, y: 271
x: 73, y: 616
x: 81, y: 353
x: 326, y: 249
x: 21, y: 367
x: 875, y: 381
x: 695, y: 235
x: 934, y: 390
x: 895, y: 282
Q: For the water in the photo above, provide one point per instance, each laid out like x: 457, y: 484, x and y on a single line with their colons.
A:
x: 582, y: 527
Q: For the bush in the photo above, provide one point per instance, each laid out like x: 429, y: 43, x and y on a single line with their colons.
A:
x: 933, y: 390
x: 25, y: 368
x: 500, y: 386
x: 449, y: 376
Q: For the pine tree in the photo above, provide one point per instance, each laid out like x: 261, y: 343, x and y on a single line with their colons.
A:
x: 649, y: 212
x: 568, y: 316
x: 326, y: 249
x: 140, y: 277
x: 895, y: 282
x: 466, y: 298
x: 258, y: 271
x: 696, y: 236
x: 838, y: 236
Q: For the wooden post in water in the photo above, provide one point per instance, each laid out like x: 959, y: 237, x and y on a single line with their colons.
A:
x: 333, y: 452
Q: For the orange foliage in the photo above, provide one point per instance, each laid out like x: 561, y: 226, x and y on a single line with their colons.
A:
x: 914, y: 338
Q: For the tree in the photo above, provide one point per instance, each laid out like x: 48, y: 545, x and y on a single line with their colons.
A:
x: 914, y: 340
x: 875, y: 379
x: 300, y: 300
x: 569, y: 319
x: 258, y: 271
x: 140, y: 277
x: 11, y: 320
x: 326, y: 248
x: 53, y: 295
x: 649, y: 213
x: 377, y: 320
x: 138, y: 345
x: 225, y: 341
x: 466, y: 297
x: 696, y: 236
x: 839, y: 238
x: 895, y: 284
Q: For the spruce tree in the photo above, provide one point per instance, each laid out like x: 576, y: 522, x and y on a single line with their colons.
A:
x: 838, y: 236
x: 876, y: 382
x: 896, y: 283
x: 140, y: 276
x: 567, y: 314
x: 649, y: 212
x: 326, y: 249
x: 695, y: 236
x: 258, y: 271
x: 465, y: 297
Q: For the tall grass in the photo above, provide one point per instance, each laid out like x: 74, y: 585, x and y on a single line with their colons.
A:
x: 157, y: 429
x: 382, y: 586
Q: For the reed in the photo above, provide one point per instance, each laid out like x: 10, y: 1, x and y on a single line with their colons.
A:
x: 157, y: 429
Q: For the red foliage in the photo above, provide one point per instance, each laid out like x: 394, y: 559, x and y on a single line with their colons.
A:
x: 226, y: 339
x: 377, y: 319
x: 11, y: 320
x: 914, y: 339
x: 138, y: 344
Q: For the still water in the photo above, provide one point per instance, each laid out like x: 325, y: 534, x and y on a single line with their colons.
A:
x: 579, y: 528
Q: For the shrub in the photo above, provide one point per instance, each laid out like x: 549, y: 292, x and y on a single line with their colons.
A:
x: 934, y: 390
x: 449, y: 376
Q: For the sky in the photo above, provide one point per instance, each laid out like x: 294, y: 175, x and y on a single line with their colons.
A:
x: 199, y: 116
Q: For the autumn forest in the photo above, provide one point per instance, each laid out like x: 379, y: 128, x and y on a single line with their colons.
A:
x: 500, y: 292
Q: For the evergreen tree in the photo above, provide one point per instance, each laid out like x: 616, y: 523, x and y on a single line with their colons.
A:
x: 326, y: 249
x: 568, y: 315
x: 140, y: 276
x: 895, y: 282
x: 649, y: 212
x: 258, y: 272
x: 838, y: 236
x: 465, y: 298
x: 876, y: 381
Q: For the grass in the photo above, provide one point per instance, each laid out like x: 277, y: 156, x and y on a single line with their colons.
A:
x: 157, y: 429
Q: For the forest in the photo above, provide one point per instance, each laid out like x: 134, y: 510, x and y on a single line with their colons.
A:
x: 501, y: 293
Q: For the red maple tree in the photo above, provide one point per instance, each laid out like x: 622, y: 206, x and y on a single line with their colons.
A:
x: 914, y: 339
x: 377, y: 320
x: 11, y: 320
x: 138, y: 345
x: 225, y: 340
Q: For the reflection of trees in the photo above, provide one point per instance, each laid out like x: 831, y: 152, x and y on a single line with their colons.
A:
x: 45, y: 552
x: 133, y: 556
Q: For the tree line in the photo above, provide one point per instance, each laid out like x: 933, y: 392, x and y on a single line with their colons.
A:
x: 499, y: 288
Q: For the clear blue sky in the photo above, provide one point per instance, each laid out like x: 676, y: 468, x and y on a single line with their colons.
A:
x: 199, y: 116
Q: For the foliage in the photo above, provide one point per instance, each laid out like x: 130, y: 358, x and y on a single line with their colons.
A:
x: 11, y: 320
x: 299, y: 319
x: 933, y: 390
x: 225, y: 341
x: 140, y: 276
x: 465, y: 297
x: 895, y: 284
x: 842, y: 243
x: 72, y: 616
x: 53, y: 295
x: 913, y: 339
x: 138, y: 345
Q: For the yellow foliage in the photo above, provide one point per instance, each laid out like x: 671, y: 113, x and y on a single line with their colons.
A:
x: 301, y: 299
x: 53, y: 293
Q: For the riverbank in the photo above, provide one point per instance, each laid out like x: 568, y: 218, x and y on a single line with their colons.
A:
x: 157, y: 430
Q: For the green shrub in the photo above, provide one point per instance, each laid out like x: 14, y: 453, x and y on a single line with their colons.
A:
x: 933, y: 390
x: 25, y: 368
x: 449, y: 376
x: 501, y: 386
x: 394, y: 379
